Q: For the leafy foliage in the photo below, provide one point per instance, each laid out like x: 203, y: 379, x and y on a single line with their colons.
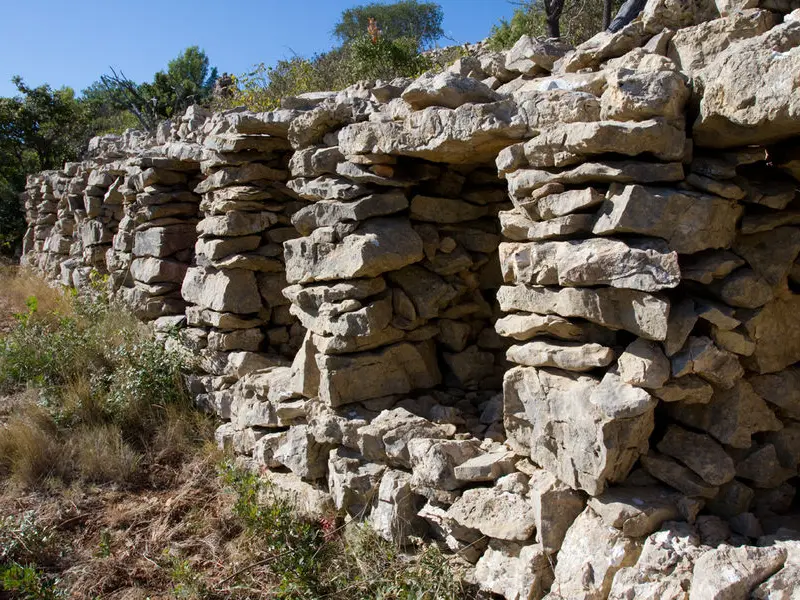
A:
x: 40, y: 128
x: 25, y: 546
x: 580, y: 20
x: 374, y: 47
x: 315, y: 559
x: 406, y: 19
x: 189, y: 79
x: 106, y: 392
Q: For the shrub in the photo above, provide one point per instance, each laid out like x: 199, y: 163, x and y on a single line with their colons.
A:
x: 26, y: 547
x: 106, y: 392
x: 316, y: 559
x: 382, y: 58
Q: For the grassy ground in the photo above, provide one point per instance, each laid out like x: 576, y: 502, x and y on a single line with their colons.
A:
x: 110, y: 486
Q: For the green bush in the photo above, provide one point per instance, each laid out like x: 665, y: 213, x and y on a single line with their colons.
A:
x: 106, y: 392
x: 25, y: 548
x: 383, y: 58
x: 579, y: 22
x: 313, y: 559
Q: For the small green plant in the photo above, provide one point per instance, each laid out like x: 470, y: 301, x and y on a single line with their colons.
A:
x: 28, y: 583
x: 295, y: 547
x: 104, y: 546
x: 186, y: 581
x: 25, y: 547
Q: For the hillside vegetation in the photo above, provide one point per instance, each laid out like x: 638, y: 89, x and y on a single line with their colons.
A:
x: 111, y: 484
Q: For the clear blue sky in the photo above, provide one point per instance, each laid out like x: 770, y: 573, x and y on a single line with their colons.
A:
x: 72, y: 42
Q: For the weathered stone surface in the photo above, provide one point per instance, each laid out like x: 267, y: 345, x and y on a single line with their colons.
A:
x: 153, y: 270
x: 161, y: 242
x: 433, y: 462
x: 689, y: 222
x: 743, y: 288
x: 781, y: 389
x: 555, y: 507
x: 732, y: 416
x: 682, y: 318
x: 771, y: 253
x: 646, y: 265
x: 396, y: 369
x: 469, y: 134
x: 386, y: 437
x: 530, y: 55
x: 227, y: 176
x: 638, y: 312
x: 329, y: 213
x: 302, y: 454
x: 718, y: 314
x: 664, y: 568
x: 378, y: 246
x: 447, y: 89
x: 673, y: 473
x: 775, y: 329
x: 348, y: 318
x: 570, y: 143
x: 394, y: 513
x: 485, y: 467
x: 643, y: 364
x: 700, y: 453
x: 233, y: 290
x: 636, y: 511
x: 563, y: 203
x: 571, y: 356
x: 487, y: 510
x: 729, y: 572
x: 514, y: 571
x: 521, y: 183
x: 235, y: 223
x: 352, y: 481
x: 637, y: 95
x: 468, y: 543
x: 748, y: 98
x: 523, y: 327
x: 694, y: 48
x: 781, y: 586
x: 327, y: 187
x: 763, y: 469
x: 215, y: 249
x: 519, y: 227
x: 589, y: 558
x: 553, y: 417
x: 240, y: 339
x: 733, y: 341
x: 709, y: 265
x: 700, y: 356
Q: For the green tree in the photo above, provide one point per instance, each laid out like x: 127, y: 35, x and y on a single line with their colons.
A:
x: 421, y: 21
x: 577, y: 22
x: 40, y: 128
x: 189, y: 79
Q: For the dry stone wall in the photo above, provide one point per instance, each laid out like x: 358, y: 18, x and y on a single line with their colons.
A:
x: 541, y: 307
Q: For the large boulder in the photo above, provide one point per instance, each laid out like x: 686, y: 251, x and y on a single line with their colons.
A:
x: 585, y: 433
x: 751, y: 92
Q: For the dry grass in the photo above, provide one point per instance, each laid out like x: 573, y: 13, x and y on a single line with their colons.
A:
x: 101, y: 450
x: 17, y: 285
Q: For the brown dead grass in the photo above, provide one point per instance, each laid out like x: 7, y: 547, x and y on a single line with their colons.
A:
x: 126, y: 543
x: 17, y: 284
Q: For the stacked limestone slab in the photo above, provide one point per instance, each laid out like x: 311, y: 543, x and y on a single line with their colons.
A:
x: 540, y: 308
x: 235, y: 281
x: 154, y: 244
